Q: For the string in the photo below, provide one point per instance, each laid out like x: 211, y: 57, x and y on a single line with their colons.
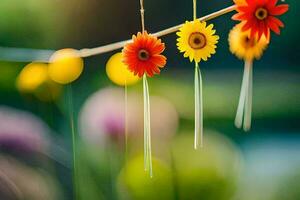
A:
x: 195, y: 9
x: 73, y: 135
x: 142, y: 10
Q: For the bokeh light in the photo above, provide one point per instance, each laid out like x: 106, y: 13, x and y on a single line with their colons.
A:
x: 118, y: 72
x: 65, y: 66
x: 34, y: 79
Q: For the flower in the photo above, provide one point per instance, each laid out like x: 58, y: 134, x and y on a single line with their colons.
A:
x: 118, y: 72
x: 197, y: 41
x: 65, y: 66
x: 259, y: 16
x: 245, y: 47
x: 143, y: 55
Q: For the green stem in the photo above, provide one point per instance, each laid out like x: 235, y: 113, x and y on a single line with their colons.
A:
x: 198, y: 108
x: 147, y: 128
x: 248, y: 101
x: 73, y: 135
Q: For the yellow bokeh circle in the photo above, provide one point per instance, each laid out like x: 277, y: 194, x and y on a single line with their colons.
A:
x: 32, y: 76
x: 118, y: 72
x: 34, y: 79
x: 65, y: 66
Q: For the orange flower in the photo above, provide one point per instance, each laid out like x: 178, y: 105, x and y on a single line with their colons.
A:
x: 143, y: 55
x: 259, y: 16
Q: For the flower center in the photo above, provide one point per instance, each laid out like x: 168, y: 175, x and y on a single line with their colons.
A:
x: 248, y: 42
x: 143, y: 54
x: 261, y: 13
x: 197, y: 40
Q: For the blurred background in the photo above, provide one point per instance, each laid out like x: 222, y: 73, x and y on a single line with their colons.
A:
x: 35, y: 133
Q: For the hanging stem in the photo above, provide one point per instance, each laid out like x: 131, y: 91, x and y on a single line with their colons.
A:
x: 73, y: 135
x: 240, y: 110
x: 248, y: 101
x: 147, y: 128
x: 243, y: 114
x: 198, y: 138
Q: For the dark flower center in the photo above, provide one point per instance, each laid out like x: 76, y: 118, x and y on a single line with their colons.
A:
x: 261, y: 13
x: 197, y: 40
x: 143, y: 54
x: 248, y: 42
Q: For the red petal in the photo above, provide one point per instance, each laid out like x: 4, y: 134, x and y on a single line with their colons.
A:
x: 249, y: 2
x: 273, y: 26
x: 159, y: 60
x: 261, y: 29
x: 247, y: 26
x: 236, y: 17
x: 279, y: 10
x: 271, y: 3
x: 266, y: 31
x: 276, y: 21
x: 243, y: 8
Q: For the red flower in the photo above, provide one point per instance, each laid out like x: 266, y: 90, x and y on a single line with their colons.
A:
x: 143, y: 55
x: 259, y: 17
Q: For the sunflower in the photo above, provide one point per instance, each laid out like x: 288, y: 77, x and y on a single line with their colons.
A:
x: 197, y: 40
x: 245, y: 47
x: 143, y: 55
x: 259, y: 16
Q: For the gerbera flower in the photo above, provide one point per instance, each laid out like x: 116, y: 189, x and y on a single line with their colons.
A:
x: 259, y: 16
x: 197, y: 41
x: 245, y: 47
x: 143, y: 55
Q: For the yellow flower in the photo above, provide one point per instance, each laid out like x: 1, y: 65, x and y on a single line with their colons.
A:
x: 65, y: 66
x: 243, y: 47
x: 118, y: 72
x: 197, y: 41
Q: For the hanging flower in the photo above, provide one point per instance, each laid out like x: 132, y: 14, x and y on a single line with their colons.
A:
x: 245, y: 47
x: 143, y: 55
x: 259, y: 16
x: 197, y: 41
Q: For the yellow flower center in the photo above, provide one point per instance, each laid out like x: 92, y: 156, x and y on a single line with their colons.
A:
x: 197, y: 40
x: 143, y: 54
x: 261, y: 13
x: 248, y: 42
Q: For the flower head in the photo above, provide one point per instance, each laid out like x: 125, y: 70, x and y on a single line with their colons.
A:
x: 197, y: 41
x: 245, y: 47
x: 259, y: 16
x: 143, y: 55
